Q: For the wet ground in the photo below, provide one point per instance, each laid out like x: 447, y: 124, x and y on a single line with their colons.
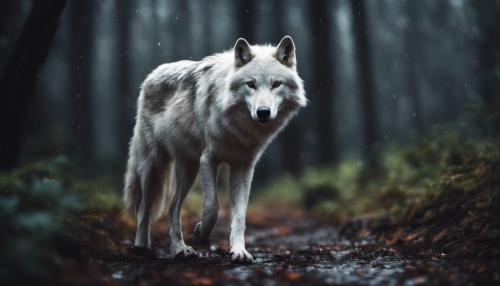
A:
x: 288, y: 251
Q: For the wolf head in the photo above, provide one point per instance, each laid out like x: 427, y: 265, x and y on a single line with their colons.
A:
x: 265, y: 80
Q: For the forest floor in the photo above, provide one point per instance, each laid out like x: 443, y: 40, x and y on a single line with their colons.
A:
x: 433, y: 218
x: 287, y: 246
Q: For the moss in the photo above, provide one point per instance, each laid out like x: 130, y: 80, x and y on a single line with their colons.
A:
x: 97, y: 195
x: 412, y: 176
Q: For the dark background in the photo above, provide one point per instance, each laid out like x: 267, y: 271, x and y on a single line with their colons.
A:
x: 377, y: 73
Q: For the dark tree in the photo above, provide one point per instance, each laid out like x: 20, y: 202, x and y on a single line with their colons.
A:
x: 4, y: 14
x: 125, y: 95
x: 488, y: 13
x: 245, y: 13
x: 81, y: 99
x: 19, y: 76
x: 443, y: 79
x: 368, y: 110
x: 155, y: 57
x: 207, y: 16
x: 412, y: 41
x: 322, y: 87
x: 182, y: 24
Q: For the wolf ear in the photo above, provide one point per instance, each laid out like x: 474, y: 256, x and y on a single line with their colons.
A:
x: 285, y: 52
x: 242, y: 52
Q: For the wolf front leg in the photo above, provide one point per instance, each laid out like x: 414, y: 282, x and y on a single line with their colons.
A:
x: 240, y: 180
x: 208, y: 175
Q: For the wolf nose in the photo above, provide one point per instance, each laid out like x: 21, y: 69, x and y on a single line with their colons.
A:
x: 263, y: 113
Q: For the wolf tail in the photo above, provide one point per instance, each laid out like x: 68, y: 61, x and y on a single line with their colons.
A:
x: 132, y: 190
x: 157, y: 190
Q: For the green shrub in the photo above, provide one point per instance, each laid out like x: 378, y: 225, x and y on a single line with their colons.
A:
x: 36, y: 203
x: 411, y: 175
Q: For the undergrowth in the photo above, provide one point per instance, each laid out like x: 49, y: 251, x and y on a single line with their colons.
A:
x: 409, y: 176
x: 44, y: 208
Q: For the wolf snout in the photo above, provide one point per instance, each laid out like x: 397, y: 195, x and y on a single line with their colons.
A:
x: 263, y: 114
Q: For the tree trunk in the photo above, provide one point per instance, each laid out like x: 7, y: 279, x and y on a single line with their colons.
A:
x: 322, y: 87
x: 156, y: 43
x: 488, y: 13
x: 81, y: 45
x: 4, y: 14
x: 369, y: 119
x: 246, y: 11
x: 413, y: 50
x: 19, y: 76
x: 183, y: 28
x: 206, y: 19
x: 124, y: 95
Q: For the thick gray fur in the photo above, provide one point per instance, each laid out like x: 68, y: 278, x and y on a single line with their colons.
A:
x: 193, y: 116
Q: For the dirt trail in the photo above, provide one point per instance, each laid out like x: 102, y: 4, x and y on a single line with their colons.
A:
x: 295, y: 250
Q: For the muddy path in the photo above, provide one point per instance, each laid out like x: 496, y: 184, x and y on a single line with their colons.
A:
x: 291, y: 250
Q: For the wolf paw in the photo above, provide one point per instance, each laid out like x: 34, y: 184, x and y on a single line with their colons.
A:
x: 241, y: 256
x: 185, y: 252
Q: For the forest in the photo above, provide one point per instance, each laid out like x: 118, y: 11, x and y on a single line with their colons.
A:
x: 389, y: 176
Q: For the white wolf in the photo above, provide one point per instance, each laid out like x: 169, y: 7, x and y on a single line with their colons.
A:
x: 195, y: 115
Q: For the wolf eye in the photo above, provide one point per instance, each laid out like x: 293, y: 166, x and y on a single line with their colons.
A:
x: 251, y: 84
x: 276, y: 83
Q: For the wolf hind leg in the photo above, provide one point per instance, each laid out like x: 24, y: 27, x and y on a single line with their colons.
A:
x: 209, y: 215
x: 153, y: 194
x: 182, y: 178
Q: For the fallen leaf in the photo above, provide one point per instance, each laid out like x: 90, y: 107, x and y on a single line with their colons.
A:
x: 292, y: 276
